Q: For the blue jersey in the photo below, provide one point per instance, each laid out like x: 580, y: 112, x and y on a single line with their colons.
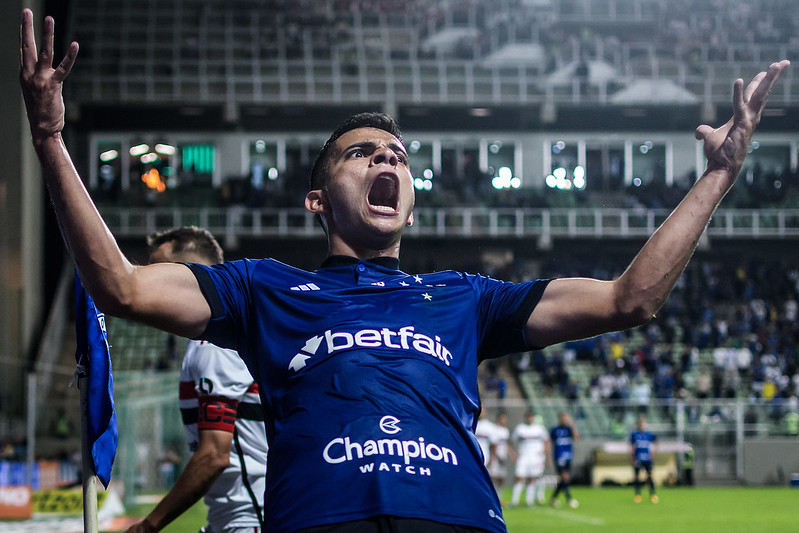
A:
x: 562, y: 439
x: 368, y: 379
x: 641, y: 442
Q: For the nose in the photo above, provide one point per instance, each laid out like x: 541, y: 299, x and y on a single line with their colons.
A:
x: 384, y: 154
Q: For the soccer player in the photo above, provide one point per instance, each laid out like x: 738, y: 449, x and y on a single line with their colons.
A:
x: 222, y: 414
x: 531, y: 441
x: 367, y: 374
x: 485, y: 431
x: 642, y: 449
x: 498, y: 468
x: 563, y: 437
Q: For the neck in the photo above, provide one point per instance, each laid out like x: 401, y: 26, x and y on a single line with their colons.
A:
x: 337, y: 246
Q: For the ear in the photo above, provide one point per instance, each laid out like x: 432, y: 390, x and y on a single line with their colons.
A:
x: 409, y: 222
x: 315, y: 202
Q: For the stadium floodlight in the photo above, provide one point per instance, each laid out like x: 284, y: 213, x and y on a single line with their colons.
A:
x: 149, y: 157
x: 139, y: 149
x: 165, y: 149
x: 109, y: 155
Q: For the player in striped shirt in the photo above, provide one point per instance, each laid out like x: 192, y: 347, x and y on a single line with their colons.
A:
x: 222, y: 415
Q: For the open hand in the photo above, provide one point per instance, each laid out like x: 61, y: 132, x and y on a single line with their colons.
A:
x: 41, y: 83
x: 726, y: 147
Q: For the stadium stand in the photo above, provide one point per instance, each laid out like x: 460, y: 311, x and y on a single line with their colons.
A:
x: 223, y: 71
x: 419, y: 52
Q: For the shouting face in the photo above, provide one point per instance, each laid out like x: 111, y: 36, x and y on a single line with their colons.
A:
x: 369, y: 196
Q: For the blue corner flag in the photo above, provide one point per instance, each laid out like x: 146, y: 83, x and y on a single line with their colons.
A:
x: 93, y: 357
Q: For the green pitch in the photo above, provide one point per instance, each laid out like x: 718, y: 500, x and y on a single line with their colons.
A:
x: 680, y: 510
x: 703, y: 510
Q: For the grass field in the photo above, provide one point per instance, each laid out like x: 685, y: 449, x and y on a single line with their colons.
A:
x: 681, y: 510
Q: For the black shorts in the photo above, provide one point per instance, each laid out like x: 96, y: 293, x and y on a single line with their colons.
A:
x: 642, y: 465
x: 391, y: 524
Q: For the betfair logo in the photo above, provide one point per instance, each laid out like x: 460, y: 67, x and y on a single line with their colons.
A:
x: 406, y: 338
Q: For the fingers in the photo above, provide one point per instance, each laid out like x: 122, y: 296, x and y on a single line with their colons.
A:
x: 62, y: 71
x: 30, y: 62
x: 702, y: 131
x: 27, y: 45
x: 46, y: 53
x: 738, y: 94
x: 764, y: 82
x: 750, y: 89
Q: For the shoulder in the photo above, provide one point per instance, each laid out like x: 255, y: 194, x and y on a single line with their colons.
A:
x: 208, y: 359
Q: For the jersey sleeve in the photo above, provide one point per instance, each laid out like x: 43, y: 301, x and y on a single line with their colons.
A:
x: 227, y: 289
x: 503, y: 308
x: 222, y: 380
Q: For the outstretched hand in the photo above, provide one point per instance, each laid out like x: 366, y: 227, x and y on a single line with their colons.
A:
x: 726, y: 147
x: 41, y: 83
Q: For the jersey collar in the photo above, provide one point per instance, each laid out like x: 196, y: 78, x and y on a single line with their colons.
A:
x: 333, y: 261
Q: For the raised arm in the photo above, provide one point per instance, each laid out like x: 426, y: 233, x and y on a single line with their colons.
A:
x: 573, y: 308
x: 164, y: 296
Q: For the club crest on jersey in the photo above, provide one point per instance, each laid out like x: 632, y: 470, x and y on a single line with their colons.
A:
x: 405, y: 338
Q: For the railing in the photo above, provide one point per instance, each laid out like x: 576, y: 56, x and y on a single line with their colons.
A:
x: 223, y: 59
x: 465, y: 222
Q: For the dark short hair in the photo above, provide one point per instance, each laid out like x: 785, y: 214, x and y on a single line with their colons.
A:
x: 370, y: 119
x: 188, y: 239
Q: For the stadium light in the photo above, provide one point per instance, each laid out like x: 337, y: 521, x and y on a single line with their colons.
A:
x: 150, y: 157
x: 165, y: 149
x: 139, y: 149
x: 109, y: 155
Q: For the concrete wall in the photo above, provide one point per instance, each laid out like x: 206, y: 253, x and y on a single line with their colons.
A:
x: 770, y: 461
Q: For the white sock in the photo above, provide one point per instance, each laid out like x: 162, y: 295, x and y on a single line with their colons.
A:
x: 531, y: 493
x: 517, y: 492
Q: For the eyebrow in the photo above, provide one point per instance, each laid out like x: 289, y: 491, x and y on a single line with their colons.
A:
x: 371, y: 145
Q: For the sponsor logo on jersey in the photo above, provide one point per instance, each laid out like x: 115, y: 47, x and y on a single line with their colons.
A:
x: 406, y: 338
x: 389, y: 454
x: 389, y: 424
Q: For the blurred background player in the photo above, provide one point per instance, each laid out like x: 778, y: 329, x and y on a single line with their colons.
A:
x: 499, y: 466
x: 563, y: 437
x: 485, y: 437
x: 222, y: 414
x: 642, y: 448
x: 532, y: 444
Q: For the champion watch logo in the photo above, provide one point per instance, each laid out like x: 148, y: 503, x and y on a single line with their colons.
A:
x: 389, y: 425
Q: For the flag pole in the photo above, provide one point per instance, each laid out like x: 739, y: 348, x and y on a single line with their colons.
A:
x: 88, y: 475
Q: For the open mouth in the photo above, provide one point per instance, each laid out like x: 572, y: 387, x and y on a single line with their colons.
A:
x: 384, y: 194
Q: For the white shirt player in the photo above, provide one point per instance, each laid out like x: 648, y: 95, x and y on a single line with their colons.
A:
x: 530, y: 442
x: 217, y: 391
x: 485, y: 433
x: 500, y: 438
